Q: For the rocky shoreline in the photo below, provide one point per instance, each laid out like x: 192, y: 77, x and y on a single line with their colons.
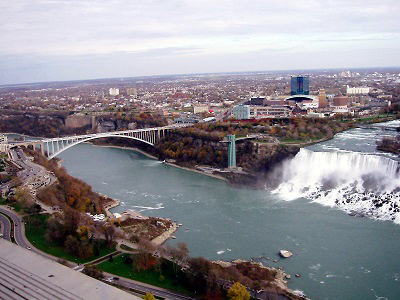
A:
x: 264, y: 159
x: 389, y: 144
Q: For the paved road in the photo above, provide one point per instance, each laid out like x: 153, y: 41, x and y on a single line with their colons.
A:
x: 5, y: 227
x: 19, y: 232
x: 146, y: 288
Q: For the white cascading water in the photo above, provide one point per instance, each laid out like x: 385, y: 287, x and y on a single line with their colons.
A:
x: 360, y: 184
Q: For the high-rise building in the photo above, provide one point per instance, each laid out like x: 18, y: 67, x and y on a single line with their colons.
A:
x: 113, y: 91
x: 3, y: 143
x: 300, y: 85
x: 323, y: 102
x: 131, y: 91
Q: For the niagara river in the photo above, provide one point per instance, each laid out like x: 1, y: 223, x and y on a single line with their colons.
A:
x: 336, y: 208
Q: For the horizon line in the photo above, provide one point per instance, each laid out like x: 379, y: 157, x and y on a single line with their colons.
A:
x: 193, y: 74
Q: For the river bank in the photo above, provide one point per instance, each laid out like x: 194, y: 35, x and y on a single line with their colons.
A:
x: 156, y: 158
x: 126, y: 148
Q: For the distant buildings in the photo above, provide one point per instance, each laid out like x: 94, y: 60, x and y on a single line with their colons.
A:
x: 300, y: 85
x: 357, y: 90
x: 113, y: 91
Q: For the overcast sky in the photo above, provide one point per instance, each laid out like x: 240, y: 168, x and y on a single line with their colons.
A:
x: 48, y: 40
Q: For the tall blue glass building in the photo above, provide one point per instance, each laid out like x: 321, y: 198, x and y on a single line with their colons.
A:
x: 300, y: 85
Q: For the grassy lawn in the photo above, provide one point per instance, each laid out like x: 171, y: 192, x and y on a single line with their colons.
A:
x: 119, y: 268
x: 375, y: 117
x: 36, y: 236
x: 16, y: 206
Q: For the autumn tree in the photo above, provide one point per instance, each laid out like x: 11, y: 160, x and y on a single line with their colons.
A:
x: 149, y: 296
x: 23, y: 197
x: 238, y: 292
x: 144, y: 259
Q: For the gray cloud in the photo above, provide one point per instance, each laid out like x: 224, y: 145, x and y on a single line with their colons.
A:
x: 45, y: 34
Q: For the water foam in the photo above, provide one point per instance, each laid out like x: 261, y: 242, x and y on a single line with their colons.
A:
x: 360, y: 184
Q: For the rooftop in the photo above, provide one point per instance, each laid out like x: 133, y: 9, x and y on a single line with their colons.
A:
x: 27, y: 275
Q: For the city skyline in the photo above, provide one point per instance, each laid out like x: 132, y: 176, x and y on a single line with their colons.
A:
x: 76, y: 40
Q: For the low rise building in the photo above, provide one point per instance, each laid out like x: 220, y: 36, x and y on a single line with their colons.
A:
x: 261, y: 112
x: 198, y: 109
x: 341, y: 104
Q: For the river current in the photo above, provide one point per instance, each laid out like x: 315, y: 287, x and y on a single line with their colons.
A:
x: 338, y: 256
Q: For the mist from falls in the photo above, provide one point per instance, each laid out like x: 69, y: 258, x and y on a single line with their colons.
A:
x: 358, y: 183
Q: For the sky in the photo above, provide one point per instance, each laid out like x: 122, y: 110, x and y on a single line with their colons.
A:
x: 54, y: 40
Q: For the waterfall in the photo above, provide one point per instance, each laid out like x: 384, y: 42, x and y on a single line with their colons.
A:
x: 360, y: 184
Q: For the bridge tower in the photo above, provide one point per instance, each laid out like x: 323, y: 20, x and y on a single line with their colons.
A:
x: 231, y: 151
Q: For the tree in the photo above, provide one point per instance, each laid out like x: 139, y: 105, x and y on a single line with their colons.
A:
x: 92, y: 271
x: 23, y: 197
x: 71, y: 245
x: 72, y: 219
x: 238, y: 292
x: 55, y: 231
x: 109, y: 233
x: 149, y: 296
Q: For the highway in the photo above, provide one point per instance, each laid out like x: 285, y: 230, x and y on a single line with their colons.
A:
x: 145, y: 288
x: 5, y: 227
x: 19, y: 233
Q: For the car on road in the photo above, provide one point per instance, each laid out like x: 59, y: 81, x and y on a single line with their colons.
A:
x: 29, y: 248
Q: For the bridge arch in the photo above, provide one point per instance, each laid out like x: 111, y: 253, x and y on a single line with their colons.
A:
x: 59, y: 151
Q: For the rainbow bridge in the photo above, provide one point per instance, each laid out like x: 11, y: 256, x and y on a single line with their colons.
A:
x: 54, y: 146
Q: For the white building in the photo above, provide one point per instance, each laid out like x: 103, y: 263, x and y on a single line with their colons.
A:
x: 197, y: 109
x: 309, y: 104
x: 358, y: 90
x: 113, y: 91
x: 343, y: 109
